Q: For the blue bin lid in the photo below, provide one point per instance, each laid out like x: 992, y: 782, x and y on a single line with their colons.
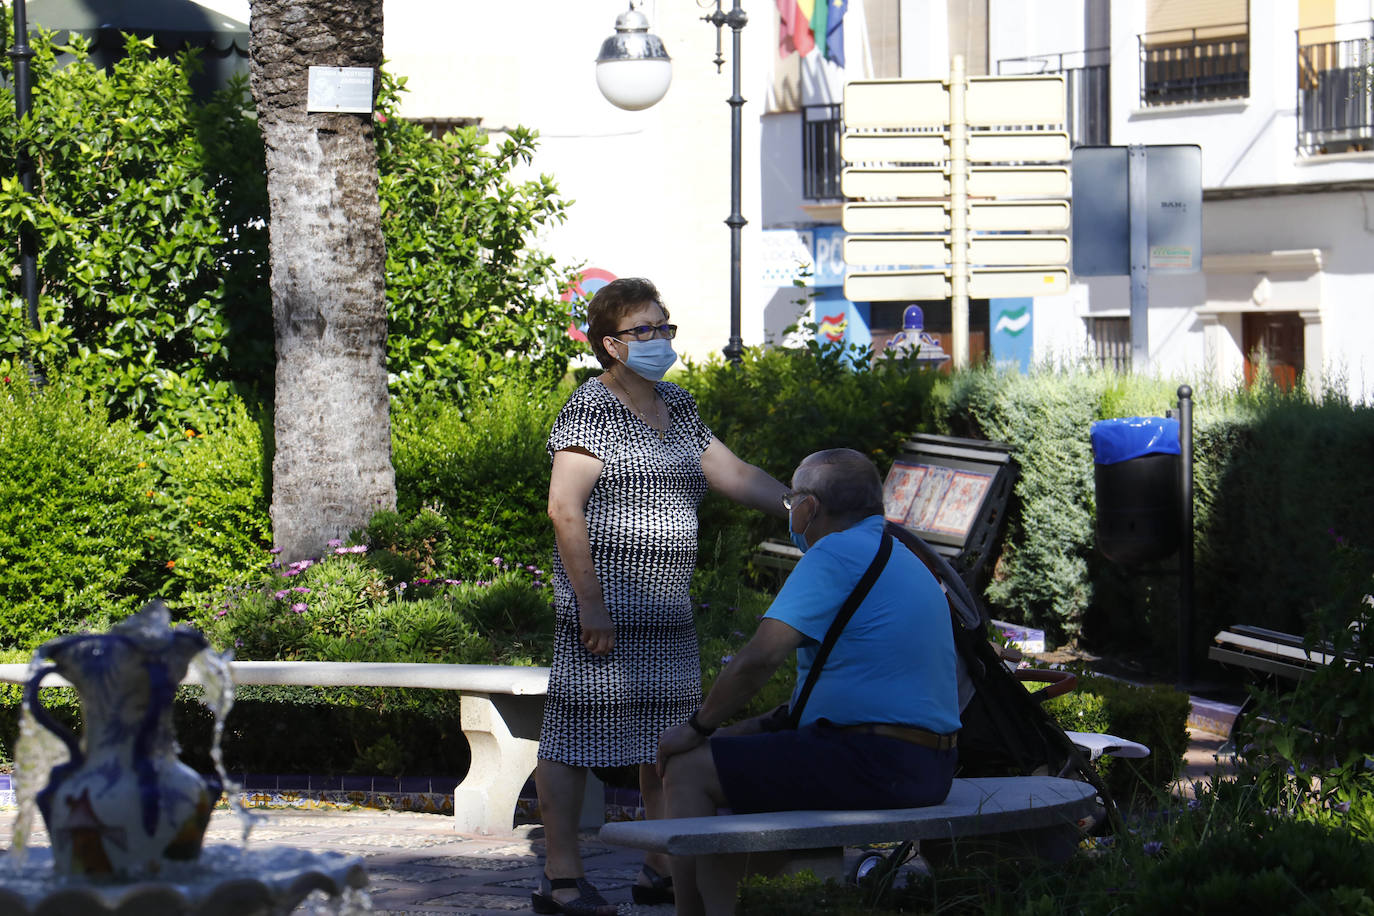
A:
x: 1124, y: 438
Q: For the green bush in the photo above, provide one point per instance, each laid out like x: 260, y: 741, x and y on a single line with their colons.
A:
x: 80, y: 542
x: 151, y: 218
x: 213, y: 502
x: 151, y: 246
x: 780, y: 405
x: 485, y: 468
x: 472, y: 307
x: 1154, y: 715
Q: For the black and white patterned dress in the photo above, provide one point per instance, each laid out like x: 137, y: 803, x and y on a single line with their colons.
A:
x: 642, y: 520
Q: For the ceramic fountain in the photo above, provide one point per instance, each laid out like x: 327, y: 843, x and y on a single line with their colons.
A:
x: 125, y: 817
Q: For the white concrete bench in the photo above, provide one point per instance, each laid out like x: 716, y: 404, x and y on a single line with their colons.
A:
x: 1044, y: 814
x: 501, y: 709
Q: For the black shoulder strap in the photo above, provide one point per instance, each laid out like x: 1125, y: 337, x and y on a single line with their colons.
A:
x: 832, y: 635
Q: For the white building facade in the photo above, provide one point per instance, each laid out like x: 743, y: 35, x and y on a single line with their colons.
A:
x: 1276, y: 94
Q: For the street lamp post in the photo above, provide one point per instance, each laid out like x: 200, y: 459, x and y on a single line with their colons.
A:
x: 632, y: 44
x: 21, y: 54
x: 736, y: 20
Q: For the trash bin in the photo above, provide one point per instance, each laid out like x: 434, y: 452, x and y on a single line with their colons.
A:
x: 1136, y: 475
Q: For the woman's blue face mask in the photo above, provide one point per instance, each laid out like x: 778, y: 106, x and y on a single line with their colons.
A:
x: 650, y: 359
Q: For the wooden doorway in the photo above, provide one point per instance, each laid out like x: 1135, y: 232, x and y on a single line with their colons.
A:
x: 1277, y: 337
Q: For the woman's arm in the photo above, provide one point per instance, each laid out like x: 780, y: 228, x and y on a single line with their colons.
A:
x: 741, y: 481
x: 570, y: 485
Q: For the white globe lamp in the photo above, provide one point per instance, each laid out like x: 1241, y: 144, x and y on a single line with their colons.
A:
x: 633, y: 69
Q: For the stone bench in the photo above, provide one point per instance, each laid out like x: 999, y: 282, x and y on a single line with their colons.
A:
x: 1041, y: 814
x: 501, y: 709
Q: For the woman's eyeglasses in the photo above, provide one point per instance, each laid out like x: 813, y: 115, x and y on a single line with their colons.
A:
x: 649, y: 331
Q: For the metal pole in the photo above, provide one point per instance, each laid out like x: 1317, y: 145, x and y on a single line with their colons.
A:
x: 958, y: 213
x: 736, y: 20
x: 21, y: 54
x: 1185, y: 543
x: 1140, y: 258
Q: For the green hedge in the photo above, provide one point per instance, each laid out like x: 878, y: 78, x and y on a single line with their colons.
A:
x: 1154, y: 715
x: 80, y: 539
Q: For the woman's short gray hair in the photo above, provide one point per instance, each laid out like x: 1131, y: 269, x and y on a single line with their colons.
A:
x: 845, y: 481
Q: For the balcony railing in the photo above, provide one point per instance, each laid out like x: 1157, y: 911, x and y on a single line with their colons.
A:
x: 1195, y: 65
x: 1087, y: 82
x: 822, y: 127
x: 1335, y: 101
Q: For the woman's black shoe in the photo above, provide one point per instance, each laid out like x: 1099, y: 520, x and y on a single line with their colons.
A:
x: 591, y: 903
x: 658, y: 890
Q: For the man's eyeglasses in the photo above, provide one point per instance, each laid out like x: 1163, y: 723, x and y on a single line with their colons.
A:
x: 649, y: 331
x: 794, y: 498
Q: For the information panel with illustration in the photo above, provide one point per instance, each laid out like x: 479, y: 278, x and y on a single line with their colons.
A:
x: 934, y: 499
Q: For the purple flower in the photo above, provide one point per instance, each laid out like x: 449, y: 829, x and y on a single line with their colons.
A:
x: 335, y: 542
x: 725, y: 659
x: 497, y: 561
x: 453, y: 581
x: 529, y: 567
x: 238, y: 644
x: 705, y: 605
x: 401, y: 587
x: 1153, y: 848
x: 281, y: 594
x: 1342, y: 807
x: 299, y: 607
x: 275, y: 550
x: 358, y: 548
x: 301, y: 589
x: 221, y: 612
x: 423, y: 581
x: 287, y: 574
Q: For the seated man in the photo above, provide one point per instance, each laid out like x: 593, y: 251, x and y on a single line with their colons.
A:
x: 878, y: 729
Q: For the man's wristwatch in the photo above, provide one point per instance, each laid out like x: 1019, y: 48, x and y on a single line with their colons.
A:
x: 697, y: 727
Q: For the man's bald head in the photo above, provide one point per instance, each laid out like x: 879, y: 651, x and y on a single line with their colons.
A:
x: 845, y: 482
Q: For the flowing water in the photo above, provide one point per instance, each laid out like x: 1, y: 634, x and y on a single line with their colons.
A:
x: 39, y: 750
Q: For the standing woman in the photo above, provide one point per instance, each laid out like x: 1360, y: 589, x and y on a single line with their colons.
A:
x: 632, y: 460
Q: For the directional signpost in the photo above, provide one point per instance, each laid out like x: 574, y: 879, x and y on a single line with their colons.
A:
x: 956, y: 189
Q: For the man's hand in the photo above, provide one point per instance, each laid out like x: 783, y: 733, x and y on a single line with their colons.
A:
x: 677, y: 740
x: 598, y: 633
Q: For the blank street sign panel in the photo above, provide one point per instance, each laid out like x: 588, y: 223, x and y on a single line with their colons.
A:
x: 906, y: 251
x: 1018, y: 181
x: 894, y: 147
x: 1019, y: 216
x: 1013, y: 283
x: 896, y: 183
x: 1005, y: 101
x: 1018, y: 250
x: 1018, y: 146
x: 896, y: 103
x: 895, y: 217
x: 895, y: 286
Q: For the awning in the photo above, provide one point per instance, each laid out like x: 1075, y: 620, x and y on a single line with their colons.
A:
x: 172, y: 24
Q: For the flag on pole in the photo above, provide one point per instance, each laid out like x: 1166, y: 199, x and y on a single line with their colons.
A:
x: 795, y: 33
x: 834, y: 30
x: 817, y: 15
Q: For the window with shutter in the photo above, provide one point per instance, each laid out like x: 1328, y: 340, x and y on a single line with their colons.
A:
x: 1194, y: 51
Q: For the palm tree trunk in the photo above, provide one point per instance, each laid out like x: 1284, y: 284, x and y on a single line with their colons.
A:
x: 332, y: 466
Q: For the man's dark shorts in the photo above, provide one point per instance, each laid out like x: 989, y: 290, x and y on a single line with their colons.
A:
x: 820, y: 766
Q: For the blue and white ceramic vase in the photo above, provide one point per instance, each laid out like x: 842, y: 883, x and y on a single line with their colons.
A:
x: 124, y: 804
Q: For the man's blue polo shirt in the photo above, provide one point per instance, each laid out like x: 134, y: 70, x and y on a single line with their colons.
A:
x: 894, y: 661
